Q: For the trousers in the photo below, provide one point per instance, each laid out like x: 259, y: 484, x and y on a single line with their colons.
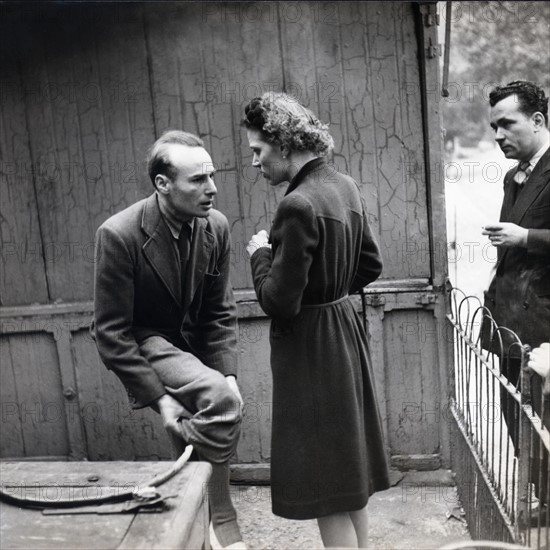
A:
x: 215, y: 426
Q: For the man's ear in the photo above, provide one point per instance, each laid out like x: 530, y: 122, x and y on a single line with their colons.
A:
x: 161, y: 183
x: 538, y: 120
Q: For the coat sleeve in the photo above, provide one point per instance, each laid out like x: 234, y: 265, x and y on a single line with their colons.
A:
x: 280, y: 281
x: 217, y: 330
x: 538, y: 242
x: 113, y: 317
x: 370, y: 260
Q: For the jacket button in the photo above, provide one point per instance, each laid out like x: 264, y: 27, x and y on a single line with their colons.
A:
x: 525, y: 305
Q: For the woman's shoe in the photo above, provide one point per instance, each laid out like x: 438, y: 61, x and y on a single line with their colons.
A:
x: 216, y: 545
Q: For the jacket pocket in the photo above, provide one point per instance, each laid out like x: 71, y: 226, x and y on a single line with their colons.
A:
x: 539, y: 216
x: 211, y: 278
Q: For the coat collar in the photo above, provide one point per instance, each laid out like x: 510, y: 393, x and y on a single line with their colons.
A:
x: 515, y: 212
x: 537, y: 180
x: 304, y: 171
x: 161, y: 253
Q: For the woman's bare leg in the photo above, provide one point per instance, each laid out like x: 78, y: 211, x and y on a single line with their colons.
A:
x: 337, y: 531
x: 360, y: 523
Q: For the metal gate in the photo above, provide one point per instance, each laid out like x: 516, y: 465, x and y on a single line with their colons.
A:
x: 500, y: 444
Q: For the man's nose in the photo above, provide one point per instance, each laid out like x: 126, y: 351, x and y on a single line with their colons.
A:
x: 255, y: 161
x: 499, y: 135
x: 211, y: 188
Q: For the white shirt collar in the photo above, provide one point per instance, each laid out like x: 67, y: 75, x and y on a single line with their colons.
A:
x: 175, y: 227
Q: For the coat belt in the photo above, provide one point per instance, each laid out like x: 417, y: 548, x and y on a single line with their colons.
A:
x: 328, y: 304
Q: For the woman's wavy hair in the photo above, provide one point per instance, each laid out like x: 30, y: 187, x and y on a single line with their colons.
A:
x: 284, y: 121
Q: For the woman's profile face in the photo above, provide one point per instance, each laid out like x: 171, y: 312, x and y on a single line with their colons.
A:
x: 268, y: 158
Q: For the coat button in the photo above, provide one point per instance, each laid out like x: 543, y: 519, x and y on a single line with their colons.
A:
x: 525, y: 305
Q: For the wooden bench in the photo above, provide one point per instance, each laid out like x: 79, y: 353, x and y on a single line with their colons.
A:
x: 183, y: 524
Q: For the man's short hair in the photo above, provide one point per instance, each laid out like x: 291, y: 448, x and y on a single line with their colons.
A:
x: 531, y: 97
x: 158, y: 161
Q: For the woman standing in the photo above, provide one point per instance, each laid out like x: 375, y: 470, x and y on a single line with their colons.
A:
x: 328, y: 454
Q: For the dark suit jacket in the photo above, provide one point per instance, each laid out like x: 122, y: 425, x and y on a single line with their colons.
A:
x: 519, y: 294
x: 138, y: 294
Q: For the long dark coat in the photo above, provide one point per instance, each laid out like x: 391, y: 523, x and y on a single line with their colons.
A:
x: 328, y: 453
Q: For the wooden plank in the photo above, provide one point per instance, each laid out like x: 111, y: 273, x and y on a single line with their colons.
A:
x: 84, y: 72
x: 22, y: 269
x: 186, y: 526
x: 305, y: 61
x: 431, y: 92
x: 56, y: 149
x: 255, y: 385
x: 223, y: 66
x: 445, y: 374
x: 38, y: 402
x: 255, y: 67
x: 113, y: 430
x: 188, y: 60
x: 420, y: 463
x: 79, y: 314
x: 74, y: 311
x: 12, y: 429
x: 414, y: 405
x: 122, y: 118
x: 359, y: 111
x: 376, y: 334
x: 330, y: 85
x: 183, y: 525
x: 392, y: 58
x: 436, y: 212
x: 75, y: 431
x: 251, y: 474
x: 417, y: 214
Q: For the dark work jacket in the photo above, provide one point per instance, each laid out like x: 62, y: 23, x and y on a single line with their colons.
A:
x: 138, y: 294
x: 519, y: 295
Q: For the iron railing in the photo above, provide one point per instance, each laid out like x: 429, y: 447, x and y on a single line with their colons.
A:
x: 500, y: 443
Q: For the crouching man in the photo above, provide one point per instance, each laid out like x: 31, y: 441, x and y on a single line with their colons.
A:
x: 165, y: 316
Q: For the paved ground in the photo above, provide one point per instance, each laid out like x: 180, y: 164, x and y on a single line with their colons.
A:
x: 420, y: 512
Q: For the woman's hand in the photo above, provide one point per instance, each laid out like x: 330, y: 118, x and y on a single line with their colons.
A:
x: 258, y: 241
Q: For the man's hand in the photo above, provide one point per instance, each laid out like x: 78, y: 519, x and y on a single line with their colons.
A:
x: 232, y: 382
x: 258, y: 241
x: 539, y: 360
x: 506, y: 234
x: 171, y: 411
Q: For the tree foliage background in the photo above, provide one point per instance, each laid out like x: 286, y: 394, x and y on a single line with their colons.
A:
x: 491, y: 43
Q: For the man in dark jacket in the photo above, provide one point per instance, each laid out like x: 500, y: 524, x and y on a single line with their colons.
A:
x: 519, y: 295
x: 165, y: 317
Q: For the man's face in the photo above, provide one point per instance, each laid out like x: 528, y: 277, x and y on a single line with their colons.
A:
x: 514, y: 131
x: 191, y: 193
x: 267, y: 157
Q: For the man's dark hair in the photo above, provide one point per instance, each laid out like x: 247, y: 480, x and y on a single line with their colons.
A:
x: 530, y: 96
x: 158, y: 161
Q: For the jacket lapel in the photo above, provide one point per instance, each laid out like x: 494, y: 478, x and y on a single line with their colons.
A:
x: 514, y: 213
x: 201, y: 250
x: 158, y: 249
x: 533, y: 187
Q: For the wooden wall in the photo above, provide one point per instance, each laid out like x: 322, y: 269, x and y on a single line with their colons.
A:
x: 87, y: 89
